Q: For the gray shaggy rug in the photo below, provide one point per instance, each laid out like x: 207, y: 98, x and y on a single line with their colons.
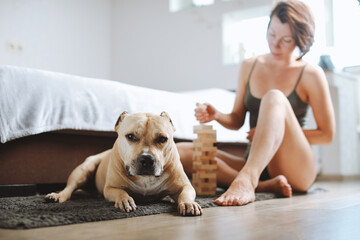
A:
x: 35, y: 212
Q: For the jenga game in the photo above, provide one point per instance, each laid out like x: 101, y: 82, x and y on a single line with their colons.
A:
x: 204, y: 163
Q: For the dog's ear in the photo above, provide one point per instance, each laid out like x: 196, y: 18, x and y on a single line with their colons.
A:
x: 121, y: 117
x: 164, y: 114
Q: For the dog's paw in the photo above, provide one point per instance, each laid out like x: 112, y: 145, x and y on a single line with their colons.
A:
x: 190, y: 209
x: 126, y: 204
x: 56, y: 197
x: 52, y: 197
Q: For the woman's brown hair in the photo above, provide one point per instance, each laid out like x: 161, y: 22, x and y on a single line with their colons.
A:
x: 300, y: 18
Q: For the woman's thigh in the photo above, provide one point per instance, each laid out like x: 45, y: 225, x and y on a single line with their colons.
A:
x: 294, y: 159
x: 233, y: 161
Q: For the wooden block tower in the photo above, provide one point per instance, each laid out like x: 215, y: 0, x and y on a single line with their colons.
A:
x: 204, y: 163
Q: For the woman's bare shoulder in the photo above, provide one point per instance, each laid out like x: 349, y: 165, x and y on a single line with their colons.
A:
x: 248, y: 62
x: 246, y: 65
x: 314, y: 76
x: 313, y: 72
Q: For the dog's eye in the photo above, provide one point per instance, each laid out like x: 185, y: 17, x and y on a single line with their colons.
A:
x: 161, y: 139
x: 131, y: 137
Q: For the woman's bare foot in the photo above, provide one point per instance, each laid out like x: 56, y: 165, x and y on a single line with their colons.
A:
x: 240, y: 192
x: 278, y: 185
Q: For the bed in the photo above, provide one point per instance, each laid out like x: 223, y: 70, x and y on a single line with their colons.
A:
x: 50, y: 122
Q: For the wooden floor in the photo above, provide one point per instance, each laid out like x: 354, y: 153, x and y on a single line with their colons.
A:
x: 334, y: 214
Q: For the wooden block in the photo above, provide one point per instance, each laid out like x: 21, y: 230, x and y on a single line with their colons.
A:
x: 204, y: 129
x: 207, y: 149
x: 208, y: 132
x: 207, y: 185
x: 207, y: 189
x: 205, y: 161
x: 200, y: 157
x: 205, y: 193
x: 210, y: 168
x: 211, y: 181
x: 207, y: 154
x: 207, y: 140
x: 204, y: 178
x: 196, y: 183
x: 210, y: 137
x: 200, y: 166
x: 204, y: 188
x: 204, y: 154
x: 200, y: 128
x: 207, y: 175
x: 203, y: 144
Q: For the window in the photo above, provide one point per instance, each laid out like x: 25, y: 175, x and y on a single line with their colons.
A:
x: 243, y: 38
x: 346, y: 16
x: 178, y: 5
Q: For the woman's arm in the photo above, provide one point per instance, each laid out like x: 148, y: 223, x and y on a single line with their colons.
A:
x: 320, y: 102
x: 236, y: 118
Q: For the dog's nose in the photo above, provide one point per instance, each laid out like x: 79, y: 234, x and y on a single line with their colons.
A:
x: 146, y: 161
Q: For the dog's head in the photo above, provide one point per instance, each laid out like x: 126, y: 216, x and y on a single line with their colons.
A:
x: 145, y: 142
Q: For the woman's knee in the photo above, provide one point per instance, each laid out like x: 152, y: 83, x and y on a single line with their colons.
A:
x: 275, y: 101
x: 184, y: 147
x: 185, y: 150
x: 302, y: 186
x: 274, y: 96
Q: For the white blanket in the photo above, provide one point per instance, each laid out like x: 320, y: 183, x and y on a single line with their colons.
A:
x: 36, y: 101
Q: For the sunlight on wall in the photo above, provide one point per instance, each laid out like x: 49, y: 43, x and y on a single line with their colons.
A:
x: 346, y: 50
x: 244, y: 34
x: 244, y: 39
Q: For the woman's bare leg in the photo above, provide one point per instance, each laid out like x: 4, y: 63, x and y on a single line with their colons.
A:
x: 278, y: 143
x: 228, y: 168
x: 186, y: 151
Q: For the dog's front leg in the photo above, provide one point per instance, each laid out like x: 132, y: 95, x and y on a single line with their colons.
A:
x: 186, y: 202
x: 120, y: 197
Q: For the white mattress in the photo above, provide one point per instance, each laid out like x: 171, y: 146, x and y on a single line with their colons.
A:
x: 35, y: 101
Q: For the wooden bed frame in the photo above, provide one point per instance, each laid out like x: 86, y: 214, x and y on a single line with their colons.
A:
x: 50, y: 157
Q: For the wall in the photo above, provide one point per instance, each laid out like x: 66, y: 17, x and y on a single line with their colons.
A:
x: 66, y: 36
x: 340, y: 158
x: 172, y: 51
x: 133, y: 41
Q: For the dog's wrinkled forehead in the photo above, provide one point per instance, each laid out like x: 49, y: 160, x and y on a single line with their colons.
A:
x: 139, y: 122
x: 134, y: 123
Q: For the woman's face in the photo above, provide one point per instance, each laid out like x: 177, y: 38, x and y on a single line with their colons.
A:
x: 280, y: 40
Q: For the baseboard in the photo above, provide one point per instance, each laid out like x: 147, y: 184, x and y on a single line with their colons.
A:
x: 21, y: 190
x: 17, y: 190
x: 337, y: 177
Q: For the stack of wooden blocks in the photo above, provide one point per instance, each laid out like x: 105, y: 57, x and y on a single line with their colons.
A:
x: 204, y: 163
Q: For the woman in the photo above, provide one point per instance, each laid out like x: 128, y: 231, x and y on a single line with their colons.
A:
x: 276, y: 88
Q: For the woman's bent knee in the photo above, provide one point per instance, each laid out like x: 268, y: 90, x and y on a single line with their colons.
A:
x: 185, y: 150
x: 302, y: 187
x: 303, y: 184
x: 274, y: 96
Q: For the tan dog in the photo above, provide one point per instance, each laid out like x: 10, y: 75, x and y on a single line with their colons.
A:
x: 143, y: 162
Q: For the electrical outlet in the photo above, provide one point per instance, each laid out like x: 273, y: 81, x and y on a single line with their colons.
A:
x: 14, y: 47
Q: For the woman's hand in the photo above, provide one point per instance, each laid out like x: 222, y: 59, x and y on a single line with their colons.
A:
x: 251, y: 135
x: 205, y: 112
